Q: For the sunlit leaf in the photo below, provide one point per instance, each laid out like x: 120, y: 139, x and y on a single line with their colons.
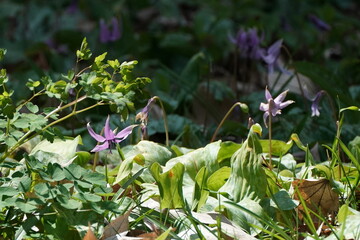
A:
x: 170, y: 185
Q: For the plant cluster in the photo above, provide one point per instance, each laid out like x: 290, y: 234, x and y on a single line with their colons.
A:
x: 209, y: 156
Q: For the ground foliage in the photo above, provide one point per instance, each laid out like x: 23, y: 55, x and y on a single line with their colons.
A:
x: 192, y: 168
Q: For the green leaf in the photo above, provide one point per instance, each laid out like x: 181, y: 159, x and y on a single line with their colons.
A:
x: 170, y: 185
x: 8, y: 191
x: 60, y: 151
x: 84, y: 53
x: 218, y: 178
x: 278, y: 148
x: 2, y: 53
x: 125, y: 170
x: 88, y: 197
x: 32, y: 108
x: 247, y: 171
x: 82, y: 158
x: 25, y: 207
x: 227, y: 149
x: 100, y: 58
x: 200, y: 192
x: 151, y: 151
x: 195, y: 160
x: 283, y: 201
x: 94, y: 178
x: 245, y: 214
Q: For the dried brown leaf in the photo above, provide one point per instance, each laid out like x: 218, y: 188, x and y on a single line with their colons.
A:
x: 117, y: 226
x: 317, y: 194
x: 89, y: 235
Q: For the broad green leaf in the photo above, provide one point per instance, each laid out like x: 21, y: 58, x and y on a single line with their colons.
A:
x: 94, y: 178
x: 151, y: 151
x: 124, y: 170
x: 344, y: 212
x: 200, y: 193
x: 245, y: 214
x: 170, y: 185
x: 25, y: 207
x: 61, y: 152
x: 8, y: 191
x: 195, y: 160
x: 82, y: 158
x: 283, y: 201
x: 88, y: 197
x: 286, y: 161
x: 227, y: 149
x: 218, y: 178
x: 278, y: 148
x: 247, y: 178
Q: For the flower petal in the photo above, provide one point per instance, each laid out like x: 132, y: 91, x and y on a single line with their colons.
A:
x: 109, y: 135
x: 278, y: 100
x: 101, y: 147
x: 264, y: 107
x: 267, y: 94
x: 124, y: 133
x: 94, y: 135
x: 285, y: 104
x: 265, y: 116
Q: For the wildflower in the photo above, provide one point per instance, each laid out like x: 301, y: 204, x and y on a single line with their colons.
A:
x: 248, y: 42
x: 143, y: 115
x: 274, y: 106
x: 315, y: 104
x: 111, y: 33
x: 271, y: 55
x: 109, y: 139
x: 319, y: 24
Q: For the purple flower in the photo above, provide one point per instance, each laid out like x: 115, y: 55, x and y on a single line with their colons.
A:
x: 274, y: 106
x: 248, y: 42
x: 315, y: 104
x: 320, y: 24
x: 110, y: 138
x: 109, y: 33
x: 143, y: 115
x: 271, y: 55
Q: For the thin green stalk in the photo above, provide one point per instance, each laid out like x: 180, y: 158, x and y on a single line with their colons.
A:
x: 31, y: 98
x: 225, y: 117
x: 165, y: 121
x: 27, y: 136
x: 270, y: 138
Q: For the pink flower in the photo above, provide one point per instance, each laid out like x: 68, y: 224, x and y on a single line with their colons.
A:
x: 110, y: 139
x: 274, y: 106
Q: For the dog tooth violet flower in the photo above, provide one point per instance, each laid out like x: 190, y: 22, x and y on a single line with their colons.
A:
x: 315, y: 104
x: 109, y: 33
x: 274, y: 106
x: 271, y: 55
x: 144, y: 114
x: 109, y: 139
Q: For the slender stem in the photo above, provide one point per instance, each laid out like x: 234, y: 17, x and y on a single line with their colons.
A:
x: 27, y: 136
x: 223, y: 120
x: 165, y: 121
x: 31, y: 98
x: 270, y: 137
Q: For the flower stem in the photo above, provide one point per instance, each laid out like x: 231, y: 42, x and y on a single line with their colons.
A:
x: 165, y: 121
x: 270, y: 145
x: 225, y: 117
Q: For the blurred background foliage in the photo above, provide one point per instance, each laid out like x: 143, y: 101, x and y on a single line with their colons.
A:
x: 184, y: 47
